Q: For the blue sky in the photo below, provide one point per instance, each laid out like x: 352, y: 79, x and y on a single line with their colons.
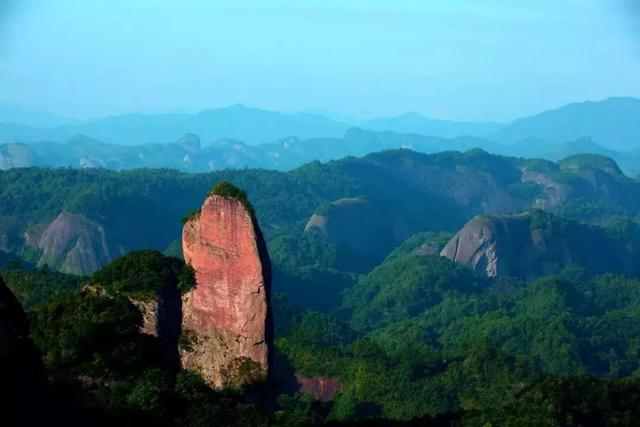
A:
x: 462, y: 59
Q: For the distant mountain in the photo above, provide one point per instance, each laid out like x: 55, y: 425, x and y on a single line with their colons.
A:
x: 611, y: 126
x: 11, y: 114
x: 614, y: 123
x: 187, y: 153
x: 453, y: 185
x: 629, y: 161
x: 416, y: 123
x: 251, y: 125
x: 362, y: 208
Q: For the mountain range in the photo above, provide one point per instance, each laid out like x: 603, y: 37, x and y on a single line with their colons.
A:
x: 76, y: 220
x: 188, y: 154
x: 613, y: 123
x: 538, y: 268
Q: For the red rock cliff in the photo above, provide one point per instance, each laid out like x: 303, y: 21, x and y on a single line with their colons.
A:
x: 226, y: 318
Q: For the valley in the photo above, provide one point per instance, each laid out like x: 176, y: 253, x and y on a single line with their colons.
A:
x: 319, y: 213
x: 461, y: 282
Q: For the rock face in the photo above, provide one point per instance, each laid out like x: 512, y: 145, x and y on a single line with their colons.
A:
x: 486, y: 244
x: 149, y: 311
x: 321, y: 388
x: 226, y: 326
x: 162, y: 318
x: 362, y: 229
x: 355, y: 223
x: 14, y: 155
x: 74, y: 244
x: 535, y: 244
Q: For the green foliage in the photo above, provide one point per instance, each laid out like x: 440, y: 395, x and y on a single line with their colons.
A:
x: 35, y: 286
x: 193, y: 214
x: 226, y: 189
x: 305, y: 268
x: 103, y: 366
x: 404, y: 287
x: 143, y: 274
x: 428, y: 241
x: 588, y: 160
x: 548, y: 224
x: 430, y: 338
x: 417, y: 336
x: 541, y: 166
x: 578, y: 401
x: 525, y: 190
x: 624, y: 229
x: 89, y: 333
x: 589, y: 209
x: 151, y: 391
x: 323, y: 209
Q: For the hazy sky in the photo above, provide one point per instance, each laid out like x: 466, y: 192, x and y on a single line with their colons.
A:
x: 462, y: 59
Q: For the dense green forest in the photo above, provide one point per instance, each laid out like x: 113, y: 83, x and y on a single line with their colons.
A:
x: 405, y: 335
x: 372, y: 205
x: 418, y: 339
x: 406, y: 191
x: 422, y: 336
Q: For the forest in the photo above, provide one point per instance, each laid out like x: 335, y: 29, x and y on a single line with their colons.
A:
x: 404, y: 335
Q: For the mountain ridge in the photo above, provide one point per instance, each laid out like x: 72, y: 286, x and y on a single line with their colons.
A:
x: 611, y: 121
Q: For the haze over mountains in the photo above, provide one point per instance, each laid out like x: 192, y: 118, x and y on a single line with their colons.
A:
x: 240, y: 136
x: 613, y: 122
x: 377, y: 245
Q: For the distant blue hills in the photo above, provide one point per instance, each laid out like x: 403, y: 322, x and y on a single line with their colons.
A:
x: 614, y: 123
x: 240, y: 136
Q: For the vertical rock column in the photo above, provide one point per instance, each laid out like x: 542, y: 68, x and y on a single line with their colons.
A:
x: 226, y: 324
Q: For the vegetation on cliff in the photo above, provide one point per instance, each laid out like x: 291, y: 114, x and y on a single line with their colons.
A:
x: 110, y: 372
x: 143, y: 274
x: 226, y: 189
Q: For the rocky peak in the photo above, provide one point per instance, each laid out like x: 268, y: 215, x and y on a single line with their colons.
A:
x: 16, y: 155
x: 362, y: 228
x: 226, y: 326
x: 537, y: 243
x: 483, y: 243
x: 73, y: 243
x: 592, y: 161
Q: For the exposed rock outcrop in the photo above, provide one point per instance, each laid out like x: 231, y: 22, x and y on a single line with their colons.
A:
x: 535, y: 244
x: 74, y: 244
x: 162, y: 318
x: 226, y: 326
x: 321, y: 388
x: 14, y: 155
x: 361, y: 229
x: 355, y: 223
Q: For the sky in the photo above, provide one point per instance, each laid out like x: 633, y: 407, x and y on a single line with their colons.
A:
x: 480, y: 60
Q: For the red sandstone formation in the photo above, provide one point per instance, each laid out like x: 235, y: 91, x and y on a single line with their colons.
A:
x: 321, y: 388
x: 226, y: 318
